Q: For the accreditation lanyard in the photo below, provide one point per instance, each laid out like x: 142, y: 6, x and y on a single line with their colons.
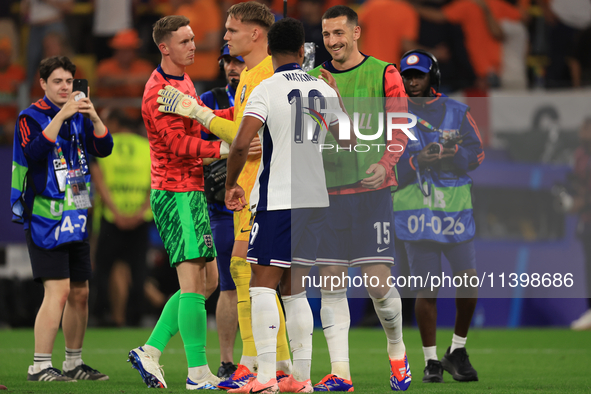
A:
x: 427, y: 124
x: 76, y: 151
x: 426, y: 190
x: 74, y: 173
x: 61, y: 168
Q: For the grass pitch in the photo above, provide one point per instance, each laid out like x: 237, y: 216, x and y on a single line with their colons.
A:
x: 507, y: 361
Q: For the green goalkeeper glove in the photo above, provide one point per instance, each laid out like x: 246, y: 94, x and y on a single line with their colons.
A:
x: 176, y: 102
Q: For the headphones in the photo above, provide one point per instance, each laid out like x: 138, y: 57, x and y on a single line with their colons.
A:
x: 434, y: 72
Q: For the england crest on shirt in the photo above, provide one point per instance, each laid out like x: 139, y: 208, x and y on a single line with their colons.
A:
x: 242, y: 94
x: 208, y: 240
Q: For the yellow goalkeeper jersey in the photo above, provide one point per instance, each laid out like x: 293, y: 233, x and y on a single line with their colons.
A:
x: 249, y: 79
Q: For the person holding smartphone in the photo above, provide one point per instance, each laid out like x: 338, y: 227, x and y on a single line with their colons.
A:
x: 49, y: 196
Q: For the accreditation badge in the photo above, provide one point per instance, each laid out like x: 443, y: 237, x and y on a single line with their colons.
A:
x: 61, y: 173
x: 80, y: 193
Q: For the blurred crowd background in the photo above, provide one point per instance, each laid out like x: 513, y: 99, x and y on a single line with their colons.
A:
x: 529, y: 44
x: 524, y: 67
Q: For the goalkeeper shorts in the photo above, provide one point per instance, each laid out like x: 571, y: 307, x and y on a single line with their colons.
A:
x: 183, y: 223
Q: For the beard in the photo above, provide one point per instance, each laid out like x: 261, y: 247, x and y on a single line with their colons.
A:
x: 234, y: 83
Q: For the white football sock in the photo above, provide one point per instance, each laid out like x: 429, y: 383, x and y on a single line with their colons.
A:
x: 334, y: 314
x: 430, y: 353
x: 41, y: 361
x: 200, y: 372
x: 300, y: 326
x: 152, y: 351
x: 389, y: 311
x: 457, y: 342
x: 249, y: 362
x: 284, y: 365
x: 265, y: 324
x: 341, y: 369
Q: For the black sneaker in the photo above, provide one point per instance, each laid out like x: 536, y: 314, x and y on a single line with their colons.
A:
x: 433, y: 372
x: 458, y: 365
x: 226, y: 370
x: 49, y: 374
x: 84, y: 372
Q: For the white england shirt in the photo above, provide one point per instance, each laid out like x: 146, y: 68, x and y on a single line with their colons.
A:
x: 290, y: 104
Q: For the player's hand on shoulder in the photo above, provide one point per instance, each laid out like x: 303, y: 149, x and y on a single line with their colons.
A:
x: 327, y: 77
x: 235, y: 198
x: 175, y: 102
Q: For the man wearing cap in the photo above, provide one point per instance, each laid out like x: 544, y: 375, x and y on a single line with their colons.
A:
x: 433, y: 207
x: 221, y: 219
x: 232, y: 66
x: 124, y: 75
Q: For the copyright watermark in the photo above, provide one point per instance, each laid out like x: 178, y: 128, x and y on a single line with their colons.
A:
x: 489, y: 280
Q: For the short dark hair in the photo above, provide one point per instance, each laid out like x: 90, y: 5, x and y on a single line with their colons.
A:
x: 286, y: 36
x: 342, y: 10
x: 50, y: 64
x: 252, y: 12
x: 118, y: 115
x: 165, y: 26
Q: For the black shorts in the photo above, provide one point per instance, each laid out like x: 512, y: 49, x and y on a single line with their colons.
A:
x: 66, y: 261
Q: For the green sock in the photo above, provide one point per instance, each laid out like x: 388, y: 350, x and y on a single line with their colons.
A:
x: 168, y: 324
x: 193, y: 327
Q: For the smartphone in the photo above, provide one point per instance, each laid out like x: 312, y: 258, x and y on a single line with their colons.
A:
x: 80, y: 85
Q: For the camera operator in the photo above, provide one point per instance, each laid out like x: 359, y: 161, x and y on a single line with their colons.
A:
x: 433, y: 207
x: 50, y: 197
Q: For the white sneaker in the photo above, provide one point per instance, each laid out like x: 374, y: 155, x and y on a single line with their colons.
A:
x: 210, y: 382
x: 152, y: 373
x: 583, y: 322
